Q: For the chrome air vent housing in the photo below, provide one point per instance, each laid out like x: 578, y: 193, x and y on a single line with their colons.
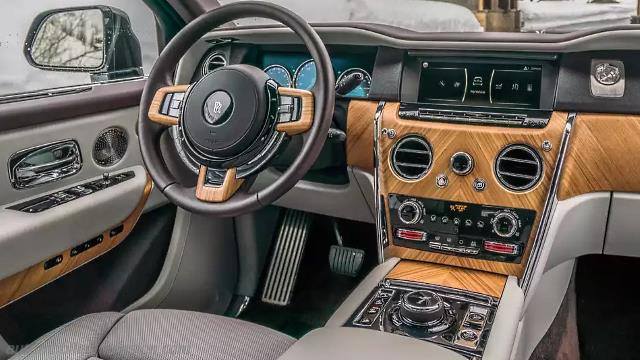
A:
x: 411, y: 157
x: 518, y: 167
x: 213, y: 61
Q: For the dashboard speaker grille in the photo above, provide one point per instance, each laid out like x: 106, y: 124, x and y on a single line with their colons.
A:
x: 411, y: 157
x: 518, y: 167
x: 110, y: 146
x: 212, y: 62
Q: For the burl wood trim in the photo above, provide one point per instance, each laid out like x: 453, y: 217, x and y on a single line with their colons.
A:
x: 156, y: 105
x: 602, y: 155
x: 453, y: 277
x: 216, y: 194
x: 360, y: 125
x: 35, y: 277
x: 303, y: 124
x: 483, y: 143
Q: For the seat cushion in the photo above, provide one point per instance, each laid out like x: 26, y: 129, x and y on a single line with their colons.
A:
x: 157, y: 335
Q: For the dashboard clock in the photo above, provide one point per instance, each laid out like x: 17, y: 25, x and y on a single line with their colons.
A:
x: 607, y: 74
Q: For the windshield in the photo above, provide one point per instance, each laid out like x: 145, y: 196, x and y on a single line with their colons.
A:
x: 554, y: 16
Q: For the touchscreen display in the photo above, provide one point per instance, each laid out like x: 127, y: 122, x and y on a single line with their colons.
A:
x: 509, y: 86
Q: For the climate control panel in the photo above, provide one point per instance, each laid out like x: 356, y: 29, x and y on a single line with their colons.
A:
x: 480, y: 231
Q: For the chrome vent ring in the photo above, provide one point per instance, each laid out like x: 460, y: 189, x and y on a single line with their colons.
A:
x: 518, y: 167
x: 212, y: 62
x: 411, y: 157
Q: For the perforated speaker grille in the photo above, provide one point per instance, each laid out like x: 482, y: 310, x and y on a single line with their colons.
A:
x: 110, y: 146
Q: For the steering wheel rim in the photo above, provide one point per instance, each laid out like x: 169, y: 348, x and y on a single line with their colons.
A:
x: 149, y: 132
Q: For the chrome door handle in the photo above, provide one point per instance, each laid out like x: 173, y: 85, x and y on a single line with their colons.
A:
x: 45, y: 163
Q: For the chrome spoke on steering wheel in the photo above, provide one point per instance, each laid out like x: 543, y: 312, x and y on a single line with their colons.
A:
x: 295, y: 112
x: 167, y: 104
x: 212, y: 187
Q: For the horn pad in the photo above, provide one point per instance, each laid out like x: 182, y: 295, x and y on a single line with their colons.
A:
x: 225, y: 112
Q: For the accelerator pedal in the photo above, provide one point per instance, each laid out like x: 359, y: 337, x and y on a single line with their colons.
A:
x: 286, y: 258
x: 344, y: 260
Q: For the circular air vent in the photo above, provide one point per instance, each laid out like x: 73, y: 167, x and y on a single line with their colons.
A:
x: 212, y: 62
x: 411, y: 157
x: 110, y: 146
x: 518, y: 167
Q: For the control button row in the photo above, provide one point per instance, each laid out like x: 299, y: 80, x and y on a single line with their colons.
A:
x: 374, y: 308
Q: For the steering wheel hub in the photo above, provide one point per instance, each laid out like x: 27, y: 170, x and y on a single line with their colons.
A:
x: 225, y: 113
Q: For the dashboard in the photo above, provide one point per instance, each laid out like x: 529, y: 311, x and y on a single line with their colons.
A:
x: 475, y: 124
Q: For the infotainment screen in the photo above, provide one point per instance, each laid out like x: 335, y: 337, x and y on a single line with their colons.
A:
x: 478, y: 84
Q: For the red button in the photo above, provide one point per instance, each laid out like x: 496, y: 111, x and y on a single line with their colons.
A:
x: 411, y: 235
x: 501, y: 248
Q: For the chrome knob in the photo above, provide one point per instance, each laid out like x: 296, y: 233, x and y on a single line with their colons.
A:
x: 410, y: 212
x: 505, y: 224
x: 422, y: 307
x: 461, y: 163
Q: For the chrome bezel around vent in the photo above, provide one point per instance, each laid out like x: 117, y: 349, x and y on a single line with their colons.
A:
x: 213, y: 61
x: 503, y: 175
x: 394, y: 163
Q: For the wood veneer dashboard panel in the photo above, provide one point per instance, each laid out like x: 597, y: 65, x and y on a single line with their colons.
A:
x: 20, y: 284
x: 360, y: 123
x: 483, y: 143
x: 453, y: 277
x: 602, y: 155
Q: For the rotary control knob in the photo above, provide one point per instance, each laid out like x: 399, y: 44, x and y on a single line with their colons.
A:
x: 423, y: 308
x: 461, y: 163
x: 410, y: 212
x: 505, y: 224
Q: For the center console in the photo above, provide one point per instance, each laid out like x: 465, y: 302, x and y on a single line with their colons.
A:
x: 466, y: 158
x: 457, y: 320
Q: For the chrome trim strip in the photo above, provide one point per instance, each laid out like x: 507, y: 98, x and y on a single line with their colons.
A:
x: 545, y: 220
x: 380, y: 234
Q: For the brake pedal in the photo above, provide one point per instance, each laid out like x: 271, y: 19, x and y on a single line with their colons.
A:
x: 344, y: 260
x: 286, y: 258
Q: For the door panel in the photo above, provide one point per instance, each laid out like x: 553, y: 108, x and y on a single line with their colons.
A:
x: 28, y: 240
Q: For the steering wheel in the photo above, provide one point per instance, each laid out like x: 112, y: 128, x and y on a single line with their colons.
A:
x: 232, y: 120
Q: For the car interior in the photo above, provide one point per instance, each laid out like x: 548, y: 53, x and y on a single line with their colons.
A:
x: 298, y: 189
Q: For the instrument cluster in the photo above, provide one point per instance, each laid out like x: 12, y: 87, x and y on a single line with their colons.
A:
x: 353, y: 81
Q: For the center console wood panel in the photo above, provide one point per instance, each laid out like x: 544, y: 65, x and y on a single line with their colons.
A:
x: 602, y: 151
x: 453, y: 277
x: 483, y: 143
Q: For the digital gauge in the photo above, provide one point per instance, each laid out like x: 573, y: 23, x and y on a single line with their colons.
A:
x: 354, y: 82
x: 305, y: 76
x: 280, y: 74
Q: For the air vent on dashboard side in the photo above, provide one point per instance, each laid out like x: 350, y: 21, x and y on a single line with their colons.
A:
x: 518, y: 167
x: 411, y: 157
x: 110, y: 146
x: 212, y: 62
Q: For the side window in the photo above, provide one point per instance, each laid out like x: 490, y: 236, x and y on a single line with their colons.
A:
x: 52, y: 44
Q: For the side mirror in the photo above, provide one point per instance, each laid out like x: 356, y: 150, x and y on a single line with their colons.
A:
x: 98, y: 40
